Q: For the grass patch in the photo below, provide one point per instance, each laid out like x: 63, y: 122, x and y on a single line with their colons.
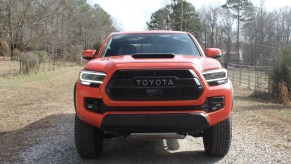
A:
x: 286, y: 113
x: 21, y: 80
x: 263, y: 96
x: 32, y: 79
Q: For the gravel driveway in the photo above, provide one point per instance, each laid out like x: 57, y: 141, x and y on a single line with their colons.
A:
x: 46, y: 134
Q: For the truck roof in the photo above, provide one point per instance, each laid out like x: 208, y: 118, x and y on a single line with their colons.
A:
x: 150, y: 32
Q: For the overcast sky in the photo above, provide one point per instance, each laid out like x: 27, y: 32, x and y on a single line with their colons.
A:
x: 131, y: 15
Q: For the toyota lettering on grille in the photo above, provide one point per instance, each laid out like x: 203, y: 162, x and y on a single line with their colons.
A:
x: 155, y: 82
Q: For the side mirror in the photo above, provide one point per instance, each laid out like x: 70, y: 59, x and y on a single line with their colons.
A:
x: 213, y: 52
x: 88, y: 54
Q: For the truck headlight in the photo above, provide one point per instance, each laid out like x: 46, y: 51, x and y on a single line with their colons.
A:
x: 91, y: 77
x: 216, y: 77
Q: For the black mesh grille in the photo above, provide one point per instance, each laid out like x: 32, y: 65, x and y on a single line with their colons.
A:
x: 129, y: 92
x: 162, y: 94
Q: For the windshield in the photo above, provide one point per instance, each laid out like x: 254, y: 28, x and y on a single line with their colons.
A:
x: 126, y: 44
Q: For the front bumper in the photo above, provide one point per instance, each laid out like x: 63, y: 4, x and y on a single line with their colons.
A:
x: 142, y: 123
x: 128, y: 109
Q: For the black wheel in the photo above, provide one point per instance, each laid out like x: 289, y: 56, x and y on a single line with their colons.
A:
x: 217, y: 139
x: 88, y: 139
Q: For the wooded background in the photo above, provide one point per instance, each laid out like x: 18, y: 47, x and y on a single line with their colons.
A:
x: 60, y: 29
x: 235, y: 25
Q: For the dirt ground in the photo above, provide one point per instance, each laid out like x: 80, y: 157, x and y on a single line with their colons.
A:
x: 37, y: 120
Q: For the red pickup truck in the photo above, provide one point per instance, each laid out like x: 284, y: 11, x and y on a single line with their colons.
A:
x: 152, y: 82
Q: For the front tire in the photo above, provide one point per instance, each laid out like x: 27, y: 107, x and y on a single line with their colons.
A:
x: 217, y: 139
x: 88, y: 139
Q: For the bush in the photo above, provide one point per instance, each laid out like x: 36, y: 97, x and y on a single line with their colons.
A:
x: 281, y: 75
x: 4, y: 48
x: 29, y: 62
x: 43, y: 56
x: 261, y: 95
x: 97, y: 46
x: 15, y: 54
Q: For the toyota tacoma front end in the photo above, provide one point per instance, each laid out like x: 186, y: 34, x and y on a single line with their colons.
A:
x: 152, y: 82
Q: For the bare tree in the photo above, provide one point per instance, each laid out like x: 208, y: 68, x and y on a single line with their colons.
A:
x: 60, y: 27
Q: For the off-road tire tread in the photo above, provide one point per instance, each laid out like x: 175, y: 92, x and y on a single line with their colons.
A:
x: 88, y: 139
x: 217, y: 139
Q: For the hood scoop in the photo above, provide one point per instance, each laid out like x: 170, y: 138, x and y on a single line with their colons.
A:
x: 152, y: 55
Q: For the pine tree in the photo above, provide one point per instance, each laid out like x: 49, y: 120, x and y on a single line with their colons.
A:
x: 179, y: 16
x: 242, y: 10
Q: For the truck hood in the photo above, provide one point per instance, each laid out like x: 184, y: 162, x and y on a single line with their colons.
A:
x: 104, y: 64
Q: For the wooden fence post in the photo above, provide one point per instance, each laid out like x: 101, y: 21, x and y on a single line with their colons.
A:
x: 81, y: 60
x: 240, y: 75
x: 257, y: 78
x: 249, y: 76
x: 233, y: 74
